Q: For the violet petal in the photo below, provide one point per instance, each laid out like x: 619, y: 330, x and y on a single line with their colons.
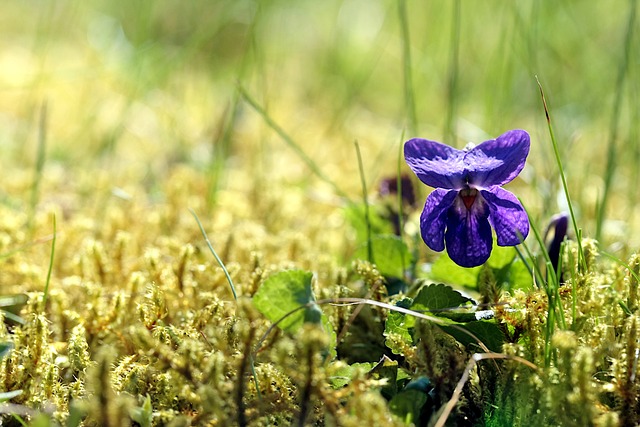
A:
x: 468, y: 238
x: 507, y: 216
x: 434, y: 216
x: 437, y: 165
x: 498, y: 161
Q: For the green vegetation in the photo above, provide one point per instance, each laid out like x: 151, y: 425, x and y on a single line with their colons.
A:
x: 190, y: 236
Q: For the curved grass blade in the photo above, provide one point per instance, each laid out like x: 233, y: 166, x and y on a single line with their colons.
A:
x: 581, y: 261
x: 291, y: 143
x: 215, y: 255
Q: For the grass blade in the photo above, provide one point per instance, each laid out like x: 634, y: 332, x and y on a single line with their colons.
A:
x: 53, y: 251
x: 365, y: 200
x: 452, y: 87
x: 215, y: 255
x: 612, y: 150
x: 40, y: 160
x: 290, y: 142
x: 565, y: 187
x: 233, y: 290
x: 409, y: 98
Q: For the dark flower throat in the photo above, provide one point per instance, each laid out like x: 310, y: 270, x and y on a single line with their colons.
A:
x: 468, y: 196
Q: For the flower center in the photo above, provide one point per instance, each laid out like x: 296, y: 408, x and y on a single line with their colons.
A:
x: 468, y: 196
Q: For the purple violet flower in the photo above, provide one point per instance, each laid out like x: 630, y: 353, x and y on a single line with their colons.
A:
x: 554, y: 236
x: 468, y: 199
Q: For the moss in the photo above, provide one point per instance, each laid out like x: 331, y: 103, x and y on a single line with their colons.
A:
x: 138, y: 309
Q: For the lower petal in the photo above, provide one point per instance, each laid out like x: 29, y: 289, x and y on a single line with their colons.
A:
x: 468, y: 239
x: 507, y: 216
x: 433, y: 218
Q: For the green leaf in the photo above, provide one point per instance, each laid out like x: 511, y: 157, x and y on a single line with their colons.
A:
x: 519, y: 276
x: 329, y: 329
x: 12, y: 317
x: 385, y: 368
x: 5, y: 348
x: 397, y: 328
x: 390, y: 255
x: 443, y: 301
x: 487, y: 332
x: 42, y: 420
x: 282, y: 294
x: 355, y: 215
x: 343, y: 376
x: 388, y: 369
x: 447, y: 271
x: 143, y: 415
x: 403, y: 375
x: 501, y: 256
x: 17, y: 300
x: 435, y: 297
x: 77, y: 413
x: 409, y: 403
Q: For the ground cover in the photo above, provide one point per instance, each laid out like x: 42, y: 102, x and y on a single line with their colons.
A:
x: 201, y: 223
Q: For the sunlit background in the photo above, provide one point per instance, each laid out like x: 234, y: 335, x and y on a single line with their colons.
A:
x: 128, y: 98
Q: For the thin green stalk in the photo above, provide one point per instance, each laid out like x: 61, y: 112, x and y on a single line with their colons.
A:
x: 51, y: 257
x: 215, y: 255
x: 574, y: 290
x: 612, y: 150
x: 452, y: 87
x: 558, y: 303
x: 221, y: 148
x: 20, y: 420
x: 536, y: 273
x: 233, y: 289
x: 552, y: 278
x: 40, y: 160
x: 622, y: 263
x: 365, y: 200
x: 581, y: 261
x: 222, y: 144
x: 629, y: 309
x: 532, y: 273
x: 549, y: 329
x: 409, y: 98
x: 553, y: 283
x: 290, y: 142
x: 555, y: 312
x: 400, y: 200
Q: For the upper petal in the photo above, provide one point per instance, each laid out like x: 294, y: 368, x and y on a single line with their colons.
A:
x: 468, y: 238
x: 498, y: 161
x: 434, y: 215
x: 507, y: 216
x: 436, y: 164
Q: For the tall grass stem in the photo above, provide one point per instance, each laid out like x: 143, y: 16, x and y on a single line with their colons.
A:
x: 409, y: 98
x: 233, y: 290
x: 400, y: 198
x: 452, y: 86
x: 365, y: 200
x: 40, y: 161
x: 290, y: 142
x: 215, y: 255
x: 51, y: 258
x: 565, y: 187
x: 612, y: 149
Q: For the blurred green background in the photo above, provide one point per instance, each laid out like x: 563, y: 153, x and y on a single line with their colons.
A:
x: 137, y: 90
